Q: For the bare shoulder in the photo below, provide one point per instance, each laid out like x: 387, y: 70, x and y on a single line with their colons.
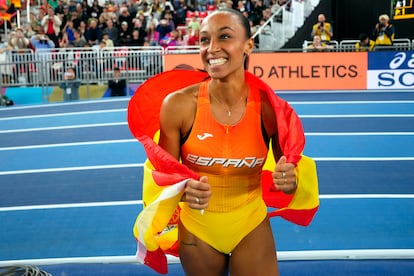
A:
x: 181, y: 101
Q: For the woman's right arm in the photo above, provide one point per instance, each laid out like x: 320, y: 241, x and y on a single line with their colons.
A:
x: 173, y: 116
x: 176, y: 119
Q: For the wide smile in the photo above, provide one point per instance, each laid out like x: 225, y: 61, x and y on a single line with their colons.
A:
x: 216, y: 61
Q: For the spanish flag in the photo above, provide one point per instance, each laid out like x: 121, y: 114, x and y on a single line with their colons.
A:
x: 164, y: 180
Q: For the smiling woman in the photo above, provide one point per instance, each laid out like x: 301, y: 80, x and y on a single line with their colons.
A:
x: 221, y: 124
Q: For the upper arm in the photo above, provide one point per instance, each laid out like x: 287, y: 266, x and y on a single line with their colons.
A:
x: 270, y: 126
x: 176, y: 118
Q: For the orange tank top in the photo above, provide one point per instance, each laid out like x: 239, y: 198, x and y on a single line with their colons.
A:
x: 231, y: 157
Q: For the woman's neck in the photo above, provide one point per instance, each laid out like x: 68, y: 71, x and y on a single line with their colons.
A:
x: 229, y: 90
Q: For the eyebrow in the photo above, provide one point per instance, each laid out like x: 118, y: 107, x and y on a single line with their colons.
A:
x: 220, y: 29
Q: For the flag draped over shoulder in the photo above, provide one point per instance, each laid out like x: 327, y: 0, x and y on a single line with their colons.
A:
x: 164, y: 177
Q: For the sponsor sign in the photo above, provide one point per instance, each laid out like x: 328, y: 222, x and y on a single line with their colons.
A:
x: 390, y: 70
x: 298, y: 71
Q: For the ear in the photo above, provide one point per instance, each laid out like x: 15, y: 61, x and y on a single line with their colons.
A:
x: 248, y: 48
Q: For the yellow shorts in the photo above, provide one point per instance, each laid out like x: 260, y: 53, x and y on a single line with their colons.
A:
x: 224, y: 230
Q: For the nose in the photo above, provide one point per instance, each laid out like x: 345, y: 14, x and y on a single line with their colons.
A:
x: 214, y: 46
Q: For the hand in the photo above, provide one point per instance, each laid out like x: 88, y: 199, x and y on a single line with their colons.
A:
x: 197, y: 193
x: 284, y: 176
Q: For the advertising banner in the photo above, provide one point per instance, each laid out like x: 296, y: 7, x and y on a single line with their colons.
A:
x: 390, y: 70
x: 298, y: 71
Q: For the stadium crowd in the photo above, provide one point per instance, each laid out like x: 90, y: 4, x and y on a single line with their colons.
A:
x: 85, y: 23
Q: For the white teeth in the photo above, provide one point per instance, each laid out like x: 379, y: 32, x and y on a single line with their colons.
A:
x: 217, y: 61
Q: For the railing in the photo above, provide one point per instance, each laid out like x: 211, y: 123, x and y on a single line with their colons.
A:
x: 283, y: 23
x: 400, y: 44
x: 45, y: 68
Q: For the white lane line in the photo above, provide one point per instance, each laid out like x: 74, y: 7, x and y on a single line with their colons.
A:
x: 366, y: 196
x: 140, y: 202
x: 303, y: 255
x: 101, y: 167
x: 71, y: 205
x: 70, y: 144
x: 134, y: 140
x: 62, y: 127
x: 85, y: 102
x: 64, y: 114
x: 65, y: 169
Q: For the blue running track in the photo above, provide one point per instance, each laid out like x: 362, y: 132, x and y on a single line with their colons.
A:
x: 71, y: 174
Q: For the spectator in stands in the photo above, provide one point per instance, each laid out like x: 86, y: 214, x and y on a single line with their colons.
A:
x: 384, y: 32
x: 133, y: 7
x: 72, y: 5
x: 258, y: 9
x: 18, y: 41
x: 170, y: 39
x: 125, y: 16
x: 364, y: 44
x: 156, y: 9
x: 125, y: 35
x: 82, y: 28
x: 51, y: 26
x: 101, y: 23
x: 93, y: 34
x: 317, y: 45
x: 60, y: 7
x: 44, y: 7
x: 194, y: 24
x: 266, y: 14
x: 69, y: 30
x: 322, y: 29
x: 64, y: 41
x: 180, y: 12
x: 163, y: 29
x: 144, y: 9
x: 20, y: 45
x: 111, y: 30
x: 168, y: 15
x: 66, y: 16
x: 108, y: 42
x: 166, y: 5
x: 81, y: 12
x: 240, y: 6
x: 5, y: 62
x: 34, y: 22
x: 136, y: 40
x: 143, y: 21
x: 70, y: 85
x: 79, y: 40
x: 117, y: 85
x: 41, y: 41
x: 76, y: 20
x: 95, y: 10
x: 152, y: 35
x: 194, y: 38
x: 202, y: 5
x: 53, y: 3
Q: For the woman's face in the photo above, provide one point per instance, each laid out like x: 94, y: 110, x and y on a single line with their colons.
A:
x: 223, y: 44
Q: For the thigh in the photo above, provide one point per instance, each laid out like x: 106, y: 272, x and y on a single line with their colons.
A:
x: 199, y: 258
x: 255, y: 254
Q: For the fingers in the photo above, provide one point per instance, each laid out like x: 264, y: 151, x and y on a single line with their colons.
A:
x: 197, y: 193
x: 284, y: 176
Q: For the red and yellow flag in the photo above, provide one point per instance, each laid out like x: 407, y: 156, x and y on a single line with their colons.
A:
x: 164, y: 177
